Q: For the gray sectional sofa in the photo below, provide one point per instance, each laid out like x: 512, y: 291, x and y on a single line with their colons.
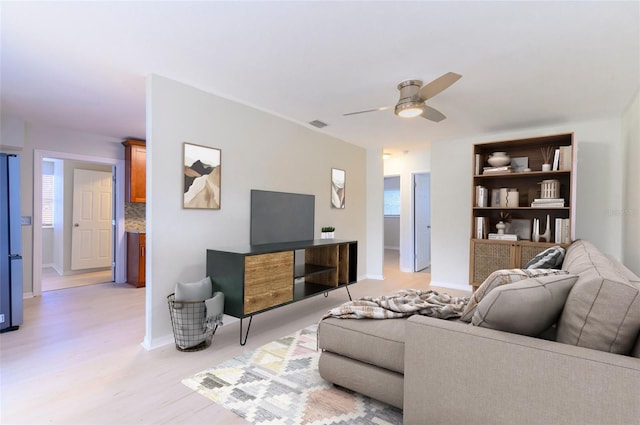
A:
x: 451, y: 372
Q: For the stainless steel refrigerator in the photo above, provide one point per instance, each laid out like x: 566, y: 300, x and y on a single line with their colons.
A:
x: 10, y: 244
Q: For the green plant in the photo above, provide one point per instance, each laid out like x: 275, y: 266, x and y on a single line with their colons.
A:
x: 328, y: 229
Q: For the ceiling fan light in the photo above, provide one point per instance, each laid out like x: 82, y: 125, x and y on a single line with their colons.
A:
x: 409, y: 109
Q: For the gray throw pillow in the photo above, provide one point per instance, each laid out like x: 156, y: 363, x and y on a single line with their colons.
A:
x: 499, y: 278
x: 550, y: 258
x: 196, y: 291
x: 528, y: 307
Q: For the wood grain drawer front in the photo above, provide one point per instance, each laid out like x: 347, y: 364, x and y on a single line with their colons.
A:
x: 268, y: 280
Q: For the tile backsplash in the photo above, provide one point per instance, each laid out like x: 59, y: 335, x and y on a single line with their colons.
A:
x: 134, y: 216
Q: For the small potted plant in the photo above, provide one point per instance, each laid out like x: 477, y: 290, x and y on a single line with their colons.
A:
x: 503, y: 217
x: 328, y: 232
x: 547, y: 154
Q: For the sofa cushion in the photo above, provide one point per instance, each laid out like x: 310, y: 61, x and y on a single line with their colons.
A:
x: 377, y: 342
x: 528, y: 307
x: 196, y: 291
x: 602, y: 311
x: 499, y: 278
x: 550, y: 258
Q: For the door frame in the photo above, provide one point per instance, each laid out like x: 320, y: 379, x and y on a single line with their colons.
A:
x: 119, y: 257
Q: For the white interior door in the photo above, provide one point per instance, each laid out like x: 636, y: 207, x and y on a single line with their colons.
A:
x: 91, y: 240
x: 422, y: 220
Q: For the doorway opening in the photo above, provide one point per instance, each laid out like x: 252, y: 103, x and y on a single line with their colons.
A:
x: 392, y: 202
x: 74, y: 250
x: 77, y: 217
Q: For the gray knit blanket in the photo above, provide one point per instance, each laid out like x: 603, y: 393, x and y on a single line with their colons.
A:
x: 402, y: 303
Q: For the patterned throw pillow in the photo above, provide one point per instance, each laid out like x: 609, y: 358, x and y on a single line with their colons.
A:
x: 503, y: 277
x: 550, y: 258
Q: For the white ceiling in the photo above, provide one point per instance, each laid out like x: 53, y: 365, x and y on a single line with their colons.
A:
x: 82, y: 65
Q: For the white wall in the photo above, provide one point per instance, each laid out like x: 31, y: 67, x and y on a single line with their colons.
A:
x: 375, y: 214
x: 599, y: 193
x: 404, y: 165
x: 631, y: 204
x: 259, y: 151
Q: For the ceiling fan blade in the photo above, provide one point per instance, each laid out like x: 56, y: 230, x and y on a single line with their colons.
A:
x: 432, y: 114
x: 438, y: 85
x: 384, y: 108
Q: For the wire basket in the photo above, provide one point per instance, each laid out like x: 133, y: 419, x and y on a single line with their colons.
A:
x: 188, y: 320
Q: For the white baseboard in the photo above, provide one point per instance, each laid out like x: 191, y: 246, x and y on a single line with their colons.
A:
x: 395, y: 248
x: 27, y: 295
x: 156, y: 343
x: 374, y: 277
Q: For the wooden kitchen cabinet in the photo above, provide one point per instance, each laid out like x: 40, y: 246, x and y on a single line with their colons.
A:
x: 136, y: 254
x: 135, y: 156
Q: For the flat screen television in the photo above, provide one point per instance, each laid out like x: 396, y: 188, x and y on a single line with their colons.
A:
x: 281, y: 217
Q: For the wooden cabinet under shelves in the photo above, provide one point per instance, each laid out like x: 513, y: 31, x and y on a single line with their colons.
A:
x: 257, y: 278
x: 136, y: 253
x: 490, y: 255
x: 135, y: 156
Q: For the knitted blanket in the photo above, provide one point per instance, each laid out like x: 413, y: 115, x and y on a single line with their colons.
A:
x: 402, y: 303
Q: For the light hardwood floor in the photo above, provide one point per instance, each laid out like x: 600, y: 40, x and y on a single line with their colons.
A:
x: 52, y: 281
x: 78, y: 359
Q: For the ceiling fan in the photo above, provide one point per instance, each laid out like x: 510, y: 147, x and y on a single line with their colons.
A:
x: 413, y: 95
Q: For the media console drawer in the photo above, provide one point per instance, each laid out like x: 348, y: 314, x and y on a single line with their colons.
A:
x: 267, y: 280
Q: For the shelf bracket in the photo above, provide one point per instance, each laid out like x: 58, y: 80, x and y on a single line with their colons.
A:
x: 246, y: 335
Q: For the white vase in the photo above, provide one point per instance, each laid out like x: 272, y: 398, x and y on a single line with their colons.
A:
x: 546, y: 167
x: 498, y: 159
x: 501, y: 226
x: 547, y: 233
x: 536, y: 230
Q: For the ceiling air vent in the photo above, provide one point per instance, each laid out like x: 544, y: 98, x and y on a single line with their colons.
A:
x: 318, y: 123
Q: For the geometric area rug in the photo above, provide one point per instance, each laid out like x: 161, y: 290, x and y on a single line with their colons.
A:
x: 279, y: 383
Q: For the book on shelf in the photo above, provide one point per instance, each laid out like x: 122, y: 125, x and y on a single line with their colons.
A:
x: 562, y: 230
x: 548, y: 203
x: 497, y: 170
x: 565, y: 158
x: 556, y: 160
x: 503, y: 237
x: 482, y: 226
x: 482, y: 196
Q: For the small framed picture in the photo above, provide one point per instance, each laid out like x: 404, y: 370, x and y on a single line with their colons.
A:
x: 338, y: 178
x: 201, y: 177
x: 519, y: 164
x: 520, y: 227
